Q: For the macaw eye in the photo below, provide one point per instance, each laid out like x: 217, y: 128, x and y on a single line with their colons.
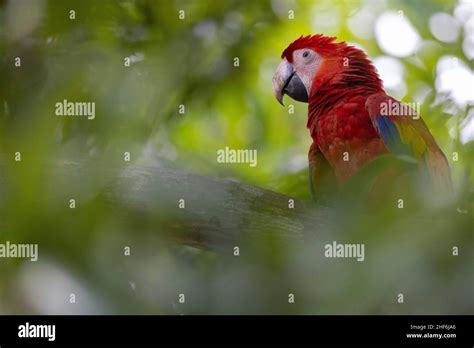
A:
x: 305, y: 54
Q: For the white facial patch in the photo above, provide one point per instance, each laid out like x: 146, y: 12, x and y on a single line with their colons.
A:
x: 306, y: 63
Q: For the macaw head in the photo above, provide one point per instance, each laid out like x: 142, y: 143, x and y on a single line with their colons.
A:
x: 314, y: 60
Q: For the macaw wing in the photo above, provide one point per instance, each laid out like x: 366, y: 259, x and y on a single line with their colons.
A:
x: 405, y: 133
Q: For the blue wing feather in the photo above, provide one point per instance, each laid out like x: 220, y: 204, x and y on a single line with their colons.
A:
x: 389, y: 133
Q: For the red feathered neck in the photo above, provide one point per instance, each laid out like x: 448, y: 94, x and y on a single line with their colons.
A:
x: 345, y: 71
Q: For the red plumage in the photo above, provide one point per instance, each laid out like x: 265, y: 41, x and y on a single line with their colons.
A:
x: 324, y: 45
x: 343, y: 133
x: 337, y: 118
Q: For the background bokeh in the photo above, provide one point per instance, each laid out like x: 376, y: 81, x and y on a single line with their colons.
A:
x: 424, y: 52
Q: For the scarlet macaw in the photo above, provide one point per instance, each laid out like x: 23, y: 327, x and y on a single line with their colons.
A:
x: 350, y: 116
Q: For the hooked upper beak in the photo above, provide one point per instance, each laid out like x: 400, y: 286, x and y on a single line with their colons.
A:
x: 286, y: 81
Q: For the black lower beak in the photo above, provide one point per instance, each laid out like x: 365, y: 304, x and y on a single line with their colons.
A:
x: 296, y: 89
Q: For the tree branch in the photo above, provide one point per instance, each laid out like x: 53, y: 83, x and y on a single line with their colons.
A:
x: 217, y: 212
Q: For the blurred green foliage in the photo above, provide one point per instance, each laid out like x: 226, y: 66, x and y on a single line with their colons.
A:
x: 190, y: 62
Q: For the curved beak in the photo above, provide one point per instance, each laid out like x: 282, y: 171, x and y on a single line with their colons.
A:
x: 286, y: 81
